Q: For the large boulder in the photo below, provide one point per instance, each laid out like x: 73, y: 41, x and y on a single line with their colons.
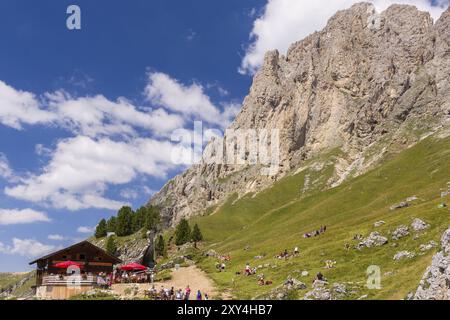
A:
x: 435, y: 283
x: 375, y: 239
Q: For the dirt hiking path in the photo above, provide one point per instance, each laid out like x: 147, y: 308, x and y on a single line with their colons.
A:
x: 181, y: 278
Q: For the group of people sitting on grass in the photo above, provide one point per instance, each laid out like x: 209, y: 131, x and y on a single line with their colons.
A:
x: 316, y: 233
x: 248, y: 271
x: 263, y: 282
x: 286, y: 255
x: 220, y: 266
x: 172, y: 294
x: 226, y: 257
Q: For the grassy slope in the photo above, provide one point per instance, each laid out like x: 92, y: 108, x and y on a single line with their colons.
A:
x: 10, y: 279
x: 276, y: 218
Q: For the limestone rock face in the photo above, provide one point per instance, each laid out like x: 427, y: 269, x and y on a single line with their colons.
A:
x: 435, y: 284
x: 366, y: 78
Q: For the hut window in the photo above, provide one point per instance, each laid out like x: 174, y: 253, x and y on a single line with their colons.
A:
x: 64, y: 257
x: 82, y: 256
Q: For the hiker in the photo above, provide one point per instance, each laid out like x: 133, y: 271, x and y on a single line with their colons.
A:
x: 153, y: 290
x: 179, y: 295
x: 188, y: 293
x: 248, y: 271
x: 296, y: 251
x: 319, y: 277
x: 261, y: 281
x: 206, y: 296
x: 289, y: 282
x: 199, y: 295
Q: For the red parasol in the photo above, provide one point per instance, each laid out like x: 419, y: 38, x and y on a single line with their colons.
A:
x: 67, y: 264
x: 133, y: 267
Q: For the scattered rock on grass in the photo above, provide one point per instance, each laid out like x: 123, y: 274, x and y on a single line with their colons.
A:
x: 404, y: 255
x: 375, y: 239
x: 419, y: 225
x: 400, y: 205
x: 428, y: 246
x: 400, y: 232
x: 379, y: 224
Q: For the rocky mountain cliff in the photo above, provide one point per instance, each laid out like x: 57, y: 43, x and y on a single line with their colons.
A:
x: 435, y: 284
x: 368, y: 85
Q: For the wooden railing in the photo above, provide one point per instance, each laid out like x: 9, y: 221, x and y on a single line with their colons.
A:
x: 73, y: 280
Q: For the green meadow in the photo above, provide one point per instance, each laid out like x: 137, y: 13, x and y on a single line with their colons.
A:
x: 276, y: 219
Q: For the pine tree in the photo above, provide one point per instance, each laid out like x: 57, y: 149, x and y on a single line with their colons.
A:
x: 124, y: 222
x: 139, y: 219
x: 160, y: 247
x: 100, y: 230
x: 182, y: 233
x: 111, y: 224
x: 111, y: 246
x: 196, y: 235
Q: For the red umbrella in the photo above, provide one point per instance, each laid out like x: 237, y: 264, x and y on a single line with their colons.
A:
x: 67, y: 264
x: 133, y: 267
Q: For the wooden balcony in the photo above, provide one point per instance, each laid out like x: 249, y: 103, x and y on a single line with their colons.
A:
x: 74, y: 280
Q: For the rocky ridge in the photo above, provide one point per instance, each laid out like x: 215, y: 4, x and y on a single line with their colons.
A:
x: 435, y: 284
x: 369, y: 84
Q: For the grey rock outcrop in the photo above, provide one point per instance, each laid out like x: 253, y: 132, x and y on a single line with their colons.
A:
x: 367, y: 77
x: 400, y: 232
x: 435, y: 284
x: 427, y: 247
x: 379, y: 224
x: 321, y: 291
x: 404, y: 255
x: 375, y: 239
x: 419, y: 225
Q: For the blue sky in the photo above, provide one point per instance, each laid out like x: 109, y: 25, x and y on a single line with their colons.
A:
x: 86, y: 116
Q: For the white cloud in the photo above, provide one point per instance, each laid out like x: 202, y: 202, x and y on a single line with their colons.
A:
x: 19, y: 107
x: 148, y: 191
x: 98, y: 116
x: 26, y: 247
x: 81, y: 168
x: 129, y: 193
x: 91, y: 116
x: 189, y: 100
x: 108, y: 147
x: 287, y: 21
x: 56, y: 237
x: 5, y: 170
x: 86, y: 230
x: 41, y: 150
x: 24, y: 216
